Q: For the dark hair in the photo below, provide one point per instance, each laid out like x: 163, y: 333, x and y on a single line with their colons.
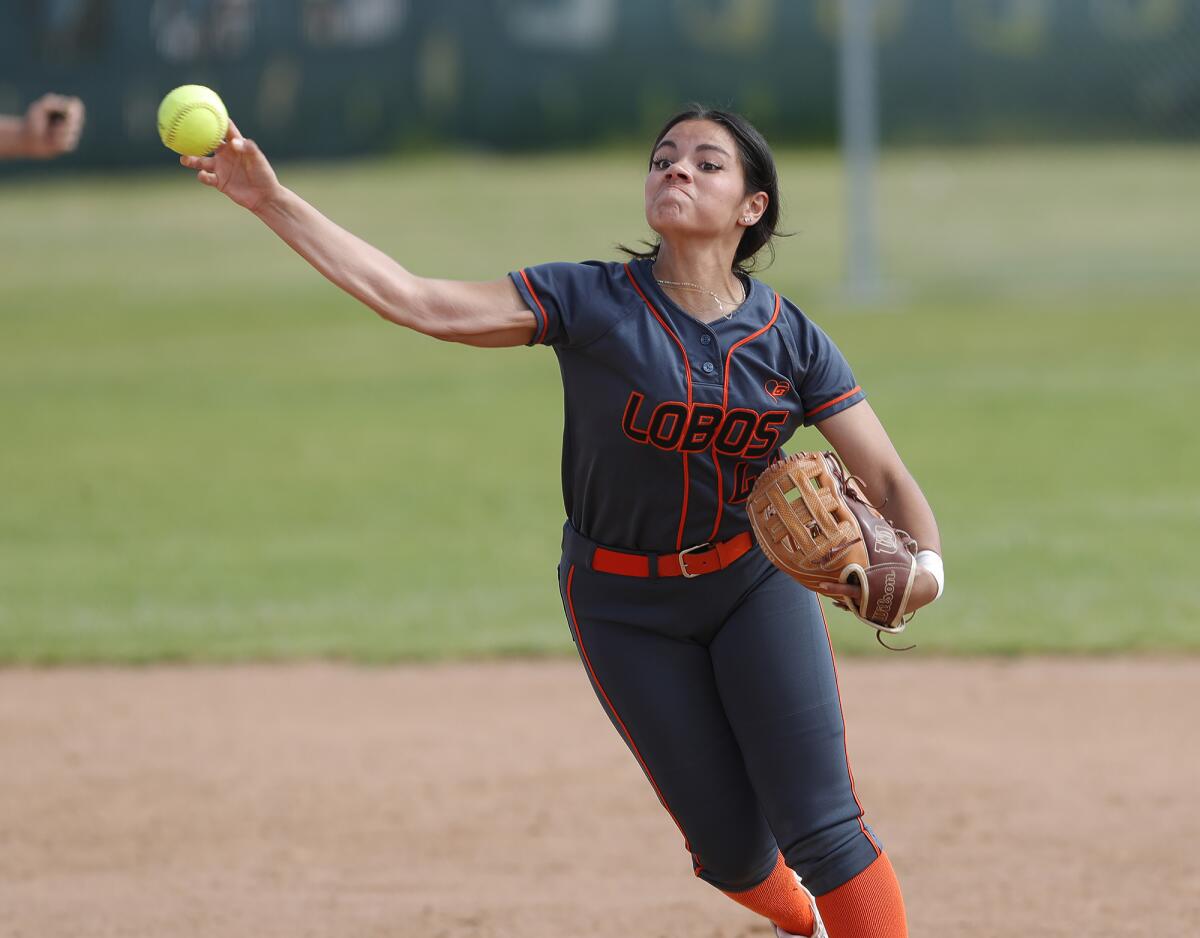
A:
x: 758, y: 166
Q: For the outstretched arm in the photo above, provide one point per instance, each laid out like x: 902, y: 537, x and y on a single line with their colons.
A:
x: 490, y: 314
x: 864, y: 446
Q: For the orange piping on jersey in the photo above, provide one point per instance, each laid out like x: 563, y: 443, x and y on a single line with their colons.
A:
x: 845, y: 747
x: 687, y: 488
x: 837, y: 400
x: 725, y: 405
x: 720, y: 493
x: 545, y: 318
x: 687, y: 370
x: 616, y: 716
x: 736, y: 345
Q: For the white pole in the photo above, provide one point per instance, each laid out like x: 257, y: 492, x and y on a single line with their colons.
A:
x: 860, y: 146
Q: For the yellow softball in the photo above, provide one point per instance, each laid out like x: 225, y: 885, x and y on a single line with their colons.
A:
x: 192, y: 120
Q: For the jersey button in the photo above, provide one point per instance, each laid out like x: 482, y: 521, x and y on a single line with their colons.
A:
x: 708, y: 368
x: 705, y: 339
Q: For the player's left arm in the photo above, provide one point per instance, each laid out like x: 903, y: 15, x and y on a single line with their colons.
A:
x: 865, y: 447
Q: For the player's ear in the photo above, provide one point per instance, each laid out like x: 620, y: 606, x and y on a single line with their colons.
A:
x: 754, y: 206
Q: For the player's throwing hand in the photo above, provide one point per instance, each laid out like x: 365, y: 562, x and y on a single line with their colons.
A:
x: 239, y: 169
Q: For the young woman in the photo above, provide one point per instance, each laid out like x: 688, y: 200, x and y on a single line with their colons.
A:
x: 682, y: 376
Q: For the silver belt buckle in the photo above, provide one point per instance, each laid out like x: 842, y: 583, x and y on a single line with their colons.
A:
x: 683, y: 565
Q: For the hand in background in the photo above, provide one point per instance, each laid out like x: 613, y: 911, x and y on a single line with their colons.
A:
x: 50, y: 127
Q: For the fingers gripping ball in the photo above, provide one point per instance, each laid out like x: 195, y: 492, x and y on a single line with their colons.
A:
x: 192, y: 120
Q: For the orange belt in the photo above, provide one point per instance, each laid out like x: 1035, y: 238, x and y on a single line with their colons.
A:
x: 693, y: 561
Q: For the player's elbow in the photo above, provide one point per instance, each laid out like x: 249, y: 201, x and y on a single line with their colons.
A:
x: 407, y: 304
x: 440, y: 326
x: 464, y: 330
x: 481, y: 328
x: 425, y: 307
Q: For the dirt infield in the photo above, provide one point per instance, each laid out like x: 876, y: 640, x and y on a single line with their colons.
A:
x: 1040, y: 797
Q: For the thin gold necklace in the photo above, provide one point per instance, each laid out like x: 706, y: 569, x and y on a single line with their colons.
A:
x: 695, y: 286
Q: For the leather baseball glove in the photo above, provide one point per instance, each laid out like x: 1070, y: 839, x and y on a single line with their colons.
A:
x: 813, y: 521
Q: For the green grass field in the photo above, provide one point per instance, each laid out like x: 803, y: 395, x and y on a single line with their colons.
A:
x: 211, y: 454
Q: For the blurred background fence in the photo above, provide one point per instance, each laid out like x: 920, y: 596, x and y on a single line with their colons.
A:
x: 323, y: 77
x: 207, y: 452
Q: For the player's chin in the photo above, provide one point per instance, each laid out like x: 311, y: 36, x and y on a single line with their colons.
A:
x: 665, y: 212
x: 673, y: 220
x: 683, y: 228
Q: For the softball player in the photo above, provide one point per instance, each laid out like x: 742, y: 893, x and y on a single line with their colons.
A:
x: 682, y: 376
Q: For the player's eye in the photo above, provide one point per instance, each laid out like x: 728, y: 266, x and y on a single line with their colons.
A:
x: 710, y: 167
x: 661, y: 163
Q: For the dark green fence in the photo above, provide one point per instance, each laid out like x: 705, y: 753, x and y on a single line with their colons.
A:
x: 325, y: 77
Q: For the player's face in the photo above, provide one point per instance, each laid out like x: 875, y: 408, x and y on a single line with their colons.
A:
x: 696, y: 187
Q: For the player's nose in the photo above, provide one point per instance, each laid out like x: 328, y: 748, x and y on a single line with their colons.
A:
x: 677, y: 171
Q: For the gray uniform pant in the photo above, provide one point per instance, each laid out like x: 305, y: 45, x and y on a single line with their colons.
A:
x: 724, y: 688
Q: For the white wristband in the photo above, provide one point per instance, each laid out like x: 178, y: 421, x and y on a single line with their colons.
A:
x: 932, y: 561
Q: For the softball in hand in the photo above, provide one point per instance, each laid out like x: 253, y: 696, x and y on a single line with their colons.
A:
x: 192, y: 120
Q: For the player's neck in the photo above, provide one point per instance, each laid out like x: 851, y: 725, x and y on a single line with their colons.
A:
x: 710, y: 269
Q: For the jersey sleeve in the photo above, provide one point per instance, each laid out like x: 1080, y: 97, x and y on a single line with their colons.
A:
x: 826, y: 383
x: 572, y: 303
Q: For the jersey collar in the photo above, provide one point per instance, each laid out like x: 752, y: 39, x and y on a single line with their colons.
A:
x: 754, y: 311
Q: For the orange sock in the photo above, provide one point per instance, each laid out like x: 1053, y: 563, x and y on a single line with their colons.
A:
x: 869, y: 906
x: 779, y: 898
